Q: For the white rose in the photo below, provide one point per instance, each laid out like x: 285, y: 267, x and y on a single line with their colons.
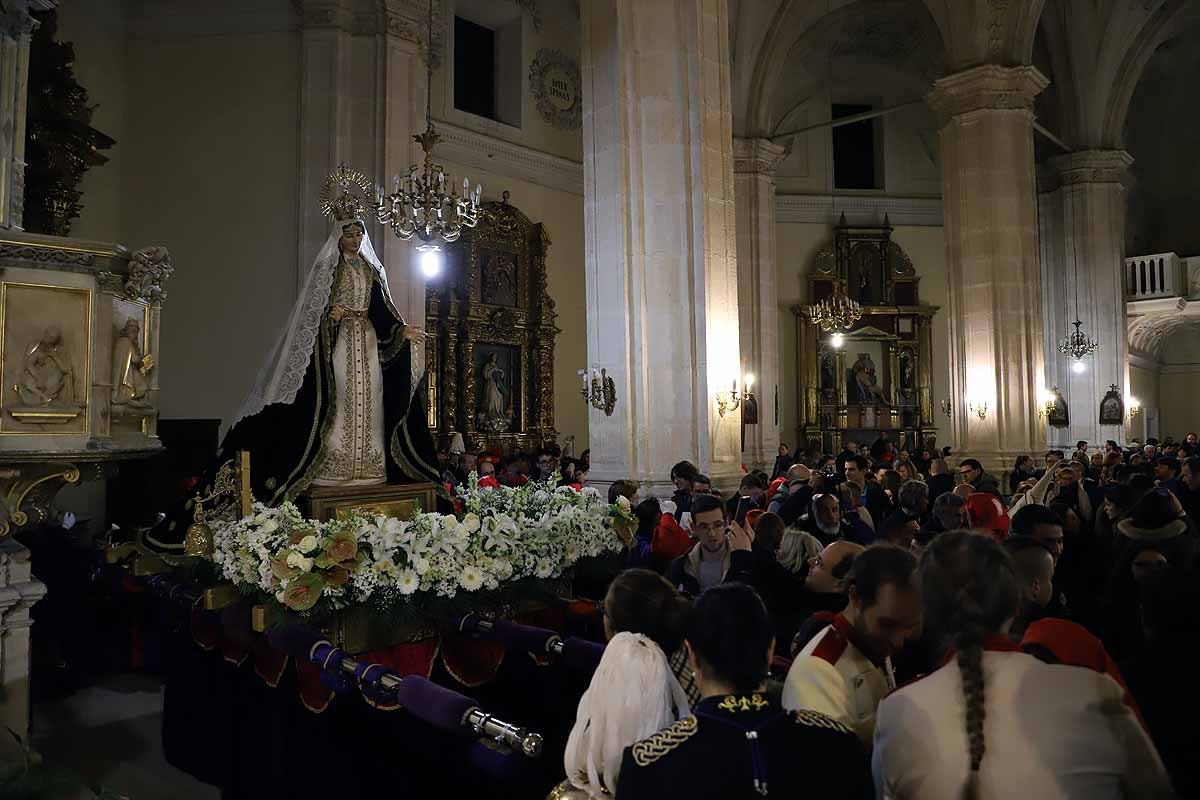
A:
x: 297, y: 561
x: 471, y: 523
x: 270, y: 526
x: 622, y: 502
x: 308, y: 544
x: 420, y: 565
x: 502, y: 569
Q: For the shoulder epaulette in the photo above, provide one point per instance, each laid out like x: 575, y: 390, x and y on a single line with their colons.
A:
x: 831, y: 646
x: 815, y: 719
x: 648, y: 751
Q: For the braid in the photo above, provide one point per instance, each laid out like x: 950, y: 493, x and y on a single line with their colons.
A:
x: 970, y: 589
x: 970, y: 665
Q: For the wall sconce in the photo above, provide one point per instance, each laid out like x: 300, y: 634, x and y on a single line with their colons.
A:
x: 729, y: 401
x: 1048, y: 403
x: 946, y: 409
x: 601, y: 393
x: 978, y: 409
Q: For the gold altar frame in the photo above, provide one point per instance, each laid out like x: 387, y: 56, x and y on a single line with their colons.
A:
x: 461, y: 320
x: 896, y: 320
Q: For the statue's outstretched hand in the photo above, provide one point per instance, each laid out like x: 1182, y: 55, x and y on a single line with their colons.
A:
x: 415, y: 335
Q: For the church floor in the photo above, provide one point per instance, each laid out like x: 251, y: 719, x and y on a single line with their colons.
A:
x: 110, y: 734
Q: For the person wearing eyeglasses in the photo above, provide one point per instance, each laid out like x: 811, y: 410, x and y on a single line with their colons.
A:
x: 972, y: 472
x: 721, y: 554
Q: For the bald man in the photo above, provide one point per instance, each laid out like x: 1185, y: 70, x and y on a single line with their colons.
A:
x: 827, y: 570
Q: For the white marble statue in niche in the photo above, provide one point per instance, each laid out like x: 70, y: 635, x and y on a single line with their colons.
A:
x: 47, y: 376
x: 130, y: 370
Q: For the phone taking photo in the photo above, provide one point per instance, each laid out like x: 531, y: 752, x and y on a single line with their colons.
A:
x: 743, y: 507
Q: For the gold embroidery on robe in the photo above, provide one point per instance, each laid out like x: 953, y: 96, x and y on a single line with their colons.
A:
x: 354, y: 451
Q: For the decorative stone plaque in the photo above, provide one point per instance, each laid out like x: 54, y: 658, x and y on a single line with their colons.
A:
x: 556, y: 85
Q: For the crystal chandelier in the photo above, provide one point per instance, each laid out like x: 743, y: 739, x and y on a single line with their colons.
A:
x: 1077, y: 345
x: 835, y: 311
x: 419, y: 205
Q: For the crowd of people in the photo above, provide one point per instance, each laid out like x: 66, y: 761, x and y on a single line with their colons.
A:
x: 876, y: 623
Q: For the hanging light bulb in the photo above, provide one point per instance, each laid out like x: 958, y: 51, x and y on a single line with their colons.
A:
x: 1078, y: 367
x: 836, y: 341
x: 429, y: 260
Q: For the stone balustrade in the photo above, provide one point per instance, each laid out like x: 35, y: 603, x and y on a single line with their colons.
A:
x: 1155, y: 276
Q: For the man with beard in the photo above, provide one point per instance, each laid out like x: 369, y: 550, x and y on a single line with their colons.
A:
x: 826, y: 521
x: 845, y: 670
x: 721, y: 554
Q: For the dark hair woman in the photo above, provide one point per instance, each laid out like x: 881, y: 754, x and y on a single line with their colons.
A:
x: 740, y: 740
x: 1022, y: 470
x: 634, y: 691
x: 1052, y: 730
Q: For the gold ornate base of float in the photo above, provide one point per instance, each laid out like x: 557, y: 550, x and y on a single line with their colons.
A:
x: 402, y: 501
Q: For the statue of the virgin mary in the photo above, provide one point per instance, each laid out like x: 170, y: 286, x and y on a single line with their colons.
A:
x: 337, y: 402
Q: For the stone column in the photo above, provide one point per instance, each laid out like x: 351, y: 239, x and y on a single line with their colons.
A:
x: 1082, y: 210
x: 16, y: 26
x: 988, y: 190
x: 754, y: 164
x: 19, y: 591
x: 660, y: 236
x: 367, y: 124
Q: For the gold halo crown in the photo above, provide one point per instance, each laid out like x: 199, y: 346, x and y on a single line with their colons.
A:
x: 346, y: 195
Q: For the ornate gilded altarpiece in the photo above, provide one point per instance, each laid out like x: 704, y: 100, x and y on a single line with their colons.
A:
x: 880, y: 380
x: 491, y: 345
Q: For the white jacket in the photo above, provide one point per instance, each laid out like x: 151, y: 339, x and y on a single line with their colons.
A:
x: 1050, y: 731
x: 833, y: 676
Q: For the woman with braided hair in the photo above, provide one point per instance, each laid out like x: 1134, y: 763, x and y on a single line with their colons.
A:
x: 994, y: 722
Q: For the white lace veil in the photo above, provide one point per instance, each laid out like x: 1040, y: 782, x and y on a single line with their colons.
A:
x: 633, y: 694
x: 283, y: 373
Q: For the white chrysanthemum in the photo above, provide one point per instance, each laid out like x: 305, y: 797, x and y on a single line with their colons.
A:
x: 471, y: 578
x: 270, y: 526
x: 543, y: 569
x: 408, y: 582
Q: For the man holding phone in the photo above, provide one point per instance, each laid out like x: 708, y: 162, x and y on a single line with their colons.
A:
x: 721, y: 553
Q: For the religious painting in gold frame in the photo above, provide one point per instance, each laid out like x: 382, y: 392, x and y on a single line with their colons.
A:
x: 489, y: 316
x: 45, y: 353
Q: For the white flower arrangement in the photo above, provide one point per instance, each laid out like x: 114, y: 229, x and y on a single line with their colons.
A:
x: 503, y: 535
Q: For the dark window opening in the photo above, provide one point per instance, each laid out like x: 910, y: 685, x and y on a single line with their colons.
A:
x: 853, y: 150
x: 474, y: 68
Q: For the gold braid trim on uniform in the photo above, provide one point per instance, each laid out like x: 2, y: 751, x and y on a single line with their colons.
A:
x: 815, y: 719
x: 650, y: 750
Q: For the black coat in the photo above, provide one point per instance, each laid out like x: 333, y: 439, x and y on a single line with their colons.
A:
x: 708, y: 756
x: 939, y: 485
